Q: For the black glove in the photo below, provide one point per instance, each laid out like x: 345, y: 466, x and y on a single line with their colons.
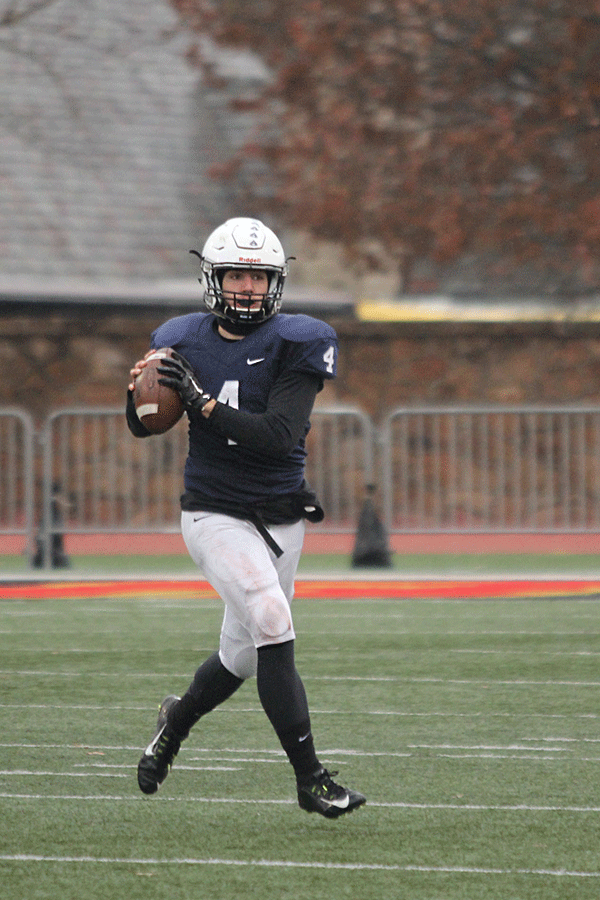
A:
x: 177, y: 373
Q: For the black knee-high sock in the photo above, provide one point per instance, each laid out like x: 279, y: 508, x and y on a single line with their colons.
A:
x: 283, y: 698
x: 212, y: 685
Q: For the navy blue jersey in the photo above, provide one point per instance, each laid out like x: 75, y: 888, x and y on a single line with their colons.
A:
x: 241, y: 374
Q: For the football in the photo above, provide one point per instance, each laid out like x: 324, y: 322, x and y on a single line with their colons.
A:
x: 159, y: 408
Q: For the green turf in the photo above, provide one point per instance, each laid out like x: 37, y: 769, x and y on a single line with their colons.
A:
x: 416, y: 563
x: 473, y: 727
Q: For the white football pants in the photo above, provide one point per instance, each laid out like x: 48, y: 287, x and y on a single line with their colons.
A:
x: 256, y: 586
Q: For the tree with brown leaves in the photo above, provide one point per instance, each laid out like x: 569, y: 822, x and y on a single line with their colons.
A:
x: 461, y: 138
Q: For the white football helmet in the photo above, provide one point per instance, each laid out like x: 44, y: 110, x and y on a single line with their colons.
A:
x: 242, y: 244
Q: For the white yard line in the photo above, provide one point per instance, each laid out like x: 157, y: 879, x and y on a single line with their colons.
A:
x: 455, y: 807
x: 291, y: 864
x: 394, y: 679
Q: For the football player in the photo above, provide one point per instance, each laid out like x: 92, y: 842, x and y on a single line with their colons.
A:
x: 248, y: 376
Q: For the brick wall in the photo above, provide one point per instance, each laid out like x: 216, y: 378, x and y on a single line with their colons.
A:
x: 382, y: 366
x: 81, y: 356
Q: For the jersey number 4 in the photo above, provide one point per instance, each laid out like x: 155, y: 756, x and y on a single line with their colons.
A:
x: 230, y: 396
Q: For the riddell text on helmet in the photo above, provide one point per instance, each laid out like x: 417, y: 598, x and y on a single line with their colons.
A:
x: 248, y: 259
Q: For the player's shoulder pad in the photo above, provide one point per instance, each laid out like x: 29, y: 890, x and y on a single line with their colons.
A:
x: 300, y: 328
x: 176, y: 332
x: 313, y: 344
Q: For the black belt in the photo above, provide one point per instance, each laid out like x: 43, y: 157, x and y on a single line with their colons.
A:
x: 264, y: 532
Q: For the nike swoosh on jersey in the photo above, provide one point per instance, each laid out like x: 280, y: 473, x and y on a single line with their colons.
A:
x: 252, y: 362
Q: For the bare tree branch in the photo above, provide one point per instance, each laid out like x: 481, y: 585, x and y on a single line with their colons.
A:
x: 16, y: 12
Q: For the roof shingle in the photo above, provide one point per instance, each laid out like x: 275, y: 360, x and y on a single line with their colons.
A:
x: 106, y: 138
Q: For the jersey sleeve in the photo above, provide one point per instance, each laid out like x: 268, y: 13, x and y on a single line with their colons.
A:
x: 177, y: 332
x: 135, y: 425
x: 278, y: 430
x: 312, y: 346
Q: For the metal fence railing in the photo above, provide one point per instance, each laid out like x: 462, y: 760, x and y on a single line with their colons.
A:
x: 438, y: 470
x: 108, y: 480
x: 115, y: 483
x: 492, y: 469
x: 16, y: 473
x: 340, y: 448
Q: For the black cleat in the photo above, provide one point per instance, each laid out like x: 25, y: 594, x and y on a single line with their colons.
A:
x: 158, y: 756
x: 321, y: 794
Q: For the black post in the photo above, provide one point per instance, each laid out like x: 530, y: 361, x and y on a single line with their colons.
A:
x: 371, y: 548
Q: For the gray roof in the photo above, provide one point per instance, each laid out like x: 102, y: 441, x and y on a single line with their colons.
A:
x: 106, y: 138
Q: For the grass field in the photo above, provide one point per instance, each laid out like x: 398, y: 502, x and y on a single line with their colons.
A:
x: 443, y: 564
x: 472, y: 727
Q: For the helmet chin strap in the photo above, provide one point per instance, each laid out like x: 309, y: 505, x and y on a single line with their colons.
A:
x: 237, y: 327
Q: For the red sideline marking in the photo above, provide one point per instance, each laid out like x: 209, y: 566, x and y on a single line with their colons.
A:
x: 306, y: 589
x: 104, y: 589
x: 444, y: 589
